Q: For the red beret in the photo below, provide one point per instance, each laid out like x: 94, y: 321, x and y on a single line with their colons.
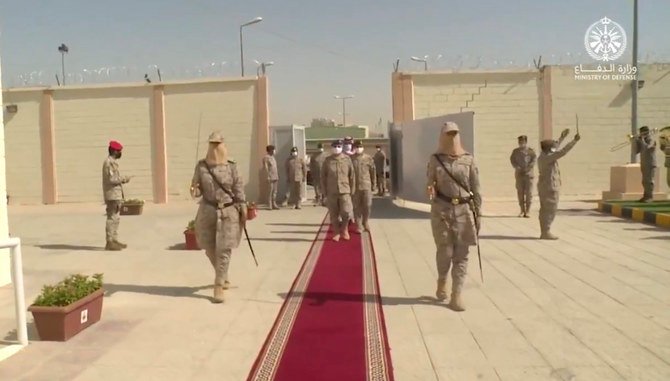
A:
x: 115, y: 145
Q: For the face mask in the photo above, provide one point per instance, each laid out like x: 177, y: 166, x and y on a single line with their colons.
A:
x: 294, y: 154
x: 379, y: 149
x: 347, y: 148
x: 360, y: 150
x: 320, y: 149
x: 553, y: 149
x: 118, y: 154
x: 522, y: 145
x: 337, y: 150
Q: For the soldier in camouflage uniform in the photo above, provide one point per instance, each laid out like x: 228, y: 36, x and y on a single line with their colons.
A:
x: 549, y: 181
x: 380, y: 166
x: 315, y: 163
x: 338, y: 182
x: 271, y: 175
x: 221, y: 216
x: 296, y: 175
x: 523, y: 161
x: 364, y: 168
x: 645, y: 145
x: 664, y: 138
x: 453, y: 223
x: 112, y: 190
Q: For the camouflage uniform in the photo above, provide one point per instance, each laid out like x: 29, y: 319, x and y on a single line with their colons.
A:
x: 380, y: 165
x: 315, y: 163
x: 272, y: 175
x: 113, y: 194
x: 296, y: 174
x: 338, y: 183
x: 220, y: 218
x: 523, y: 161
x: 646, y: 147
x: 453, y: 224
x: 364, y: 169
x: 665, y: 147
x: 549, y: 184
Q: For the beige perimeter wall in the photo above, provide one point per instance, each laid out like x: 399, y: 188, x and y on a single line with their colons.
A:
x: 58, y: 138
x: 539, y: 104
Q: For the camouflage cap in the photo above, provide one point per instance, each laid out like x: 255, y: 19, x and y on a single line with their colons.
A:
x: 644, y: 129
x: 449, y: 127
x: 294, y: 149
x: 348, y: 139
x: 216, y: 137
x: 523, y: 137
x: 336, y: 142
x: 358, y: 143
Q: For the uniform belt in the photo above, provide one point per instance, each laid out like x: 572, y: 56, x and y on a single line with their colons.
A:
x: 454, y: 200
x: 219, y: 205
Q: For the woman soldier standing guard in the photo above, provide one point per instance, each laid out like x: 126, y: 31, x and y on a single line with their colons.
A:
x: 221, y: 216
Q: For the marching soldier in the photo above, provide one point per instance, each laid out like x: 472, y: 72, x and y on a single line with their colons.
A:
x: 380, y: 166
x: 221, y: 216
x: 664, y: 138
x: 453, y: 187
x: 271, y: 176
x: 645, y: 145
x: 549, y: 182
x: 296, y: 174
x: 338, y: 183
x: 364, y: 168
x: 315, y: 163
x: 523, y: 161
x: 112, y: 189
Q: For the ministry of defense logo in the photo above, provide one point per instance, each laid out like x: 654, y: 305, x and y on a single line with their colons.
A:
x: 605, y: 40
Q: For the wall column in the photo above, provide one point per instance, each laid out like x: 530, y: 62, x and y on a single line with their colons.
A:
x: 262, y: 133
x: 5, y: 261
x: 402, y: 93
x: 48, y: 147
x: 159, y: 146
x: 546, y: 105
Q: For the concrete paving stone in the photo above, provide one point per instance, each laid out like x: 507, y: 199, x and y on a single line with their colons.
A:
x: 483, y: 373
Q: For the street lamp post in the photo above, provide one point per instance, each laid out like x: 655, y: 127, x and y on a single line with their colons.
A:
x: 424, y: 60
x: 344, y: 108
x: 261, y: 67
x: 63, y: 49
x: 254, y: 21
x: 634, y: 86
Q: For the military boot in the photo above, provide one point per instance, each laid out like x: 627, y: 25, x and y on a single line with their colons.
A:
x: 441, y: 293
x: 366, y: 226
x: 345, y: 234
x: 456, y: 303
x: 547, y: 235
x: 525, y: 212
x: 113, y: 246
x: 123, y: 245
x: 226, y: 285
x: 218, y: 294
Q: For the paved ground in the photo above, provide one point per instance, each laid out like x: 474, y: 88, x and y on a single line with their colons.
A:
x: 591, y: 306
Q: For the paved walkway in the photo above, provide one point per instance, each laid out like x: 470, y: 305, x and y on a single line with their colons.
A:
x: 591, y: 306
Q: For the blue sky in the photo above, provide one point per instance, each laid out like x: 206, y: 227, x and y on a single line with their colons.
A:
x: 320, y: 48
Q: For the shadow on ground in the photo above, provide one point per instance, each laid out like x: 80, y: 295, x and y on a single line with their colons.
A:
x: 292, y: 224
x: 279, y: 239
x: 313, y: 232
x: 661, y: 237
x: 12, y: 338
x: 321, y: 298
x: 385, y: 209
x: 70, y: 247
x: 177, y: 292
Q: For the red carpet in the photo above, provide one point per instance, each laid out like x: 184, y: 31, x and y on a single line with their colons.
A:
x: 331, y: 326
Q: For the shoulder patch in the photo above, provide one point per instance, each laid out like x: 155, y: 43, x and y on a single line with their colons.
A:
x: 232, y: 161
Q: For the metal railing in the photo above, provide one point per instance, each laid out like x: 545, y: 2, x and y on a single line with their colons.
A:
x: 14, y: 245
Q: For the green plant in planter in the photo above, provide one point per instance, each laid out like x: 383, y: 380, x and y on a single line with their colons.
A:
x: 134, y: 201
x: 191, y: 225
x: 69, y: 290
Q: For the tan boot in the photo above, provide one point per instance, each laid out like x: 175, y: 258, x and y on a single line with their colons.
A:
x: 336, y: 237
x: 226, y: 285
x: 548, y: 235
x: 456, y: 303
x: 345, y: 234
x: 123, y: 245
x: 113, y: 246
x: 218, y: 294
x: 366, y: 226
x: 441, y: 293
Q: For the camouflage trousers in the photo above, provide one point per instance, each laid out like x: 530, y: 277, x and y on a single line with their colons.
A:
x: 362, y: 201
x: 648, y: 177
x: 381, y: 184
x: 340, y: 209
x: 524, y: 191
x: 295, y: 193
x: 113, y: 219
x: 318, y: 194
x: 667, y: 176
x: 272, y: 193
x: 548, y: 207
x: 220, y: 260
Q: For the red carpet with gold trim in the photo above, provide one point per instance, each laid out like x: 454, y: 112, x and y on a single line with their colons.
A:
x: 331, y: 326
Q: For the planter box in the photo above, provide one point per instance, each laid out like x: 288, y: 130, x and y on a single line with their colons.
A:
x: 191, y: 242
x: 131, y: 209
x: 62, y: 323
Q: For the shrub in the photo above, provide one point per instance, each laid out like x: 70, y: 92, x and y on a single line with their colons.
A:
x: 191, y: 225
x: 134, y: 201
x: 69, y: 290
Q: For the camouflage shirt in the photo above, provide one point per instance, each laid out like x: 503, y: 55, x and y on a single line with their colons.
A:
x: 337, y: 175
x: 270, y: 167
x: 463, y: 168
x: 364, y: 168
x: 547, y: 164
x: 380, y: 162
x: 315, y: 163
x: 227, y: 174
x: 296, y: 169
x: 647, y: 150
x: 523, y: 160
x: 112, y: 180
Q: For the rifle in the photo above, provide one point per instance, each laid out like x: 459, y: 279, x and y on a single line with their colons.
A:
x: 472, y: 208
x: 233, y: 197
